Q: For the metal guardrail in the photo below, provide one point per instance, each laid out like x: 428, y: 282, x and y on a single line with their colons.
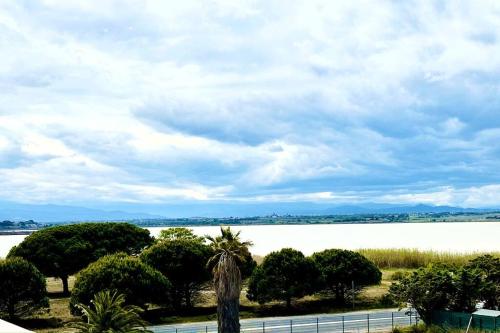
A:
x: 349, y: 323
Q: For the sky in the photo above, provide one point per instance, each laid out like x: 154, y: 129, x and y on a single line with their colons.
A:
x: 159, y: 102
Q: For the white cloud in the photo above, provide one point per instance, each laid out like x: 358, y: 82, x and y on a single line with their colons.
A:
x: 148, y: 100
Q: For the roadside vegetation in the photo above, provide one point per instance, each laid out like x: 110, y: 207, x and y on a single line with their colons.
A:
x: 181, y: 277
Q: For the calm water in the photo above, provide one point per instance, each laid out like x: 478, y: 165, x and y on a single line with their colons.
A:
x: 455, y: 237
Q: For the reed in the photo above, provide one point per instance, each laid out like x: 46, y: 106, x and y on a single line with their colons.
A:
x: 414, y: 258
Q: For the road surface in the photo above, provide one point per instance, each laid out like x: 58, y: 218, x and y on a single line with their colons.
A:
x: 352, y: 322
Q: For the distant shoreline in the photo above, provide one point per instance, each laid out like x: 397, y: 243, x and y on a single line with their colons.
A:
x: 16, y: 232
x: 188, y: 223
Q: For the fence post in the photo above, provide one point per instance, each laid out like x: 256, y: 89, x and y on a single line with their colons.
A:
x: 392, y: 320
x: 368, y: 322
x: 317, y: 325
x: 342, y: 324
x: 291, y: 326
x: 410, y: 317
x: 263, y: 327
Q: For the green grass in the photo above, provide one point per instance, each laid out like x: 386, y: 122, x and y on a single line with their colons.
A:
x: 413, y: 258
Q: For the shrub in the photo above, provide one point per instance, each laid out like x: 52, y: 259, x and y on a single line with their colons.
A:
x: 141, y: 284
x: 109, y: 314
x: 398, y: 275
x: 64, y: 250
x: 22, y: 288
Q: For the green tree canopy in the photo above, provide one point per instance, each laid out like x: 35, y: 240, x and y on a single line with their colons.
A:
x: 488, y: 267
x: 140, y: 283
x: 109, y: 314
x: 339, y: 268
x: 179, y: 233
x: 22, y: 289
x: 64, y: 250
x: 184, y: 263
x: 427, y: 289
x: 283, y: 275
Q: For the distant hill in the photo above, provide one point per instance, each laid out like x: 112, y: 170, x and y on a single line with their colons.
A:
x: 58, y: 213
x: 62, y: 213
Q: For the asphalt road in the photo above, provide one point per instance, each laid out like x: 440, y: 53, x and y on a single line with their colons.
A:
x: 352, y: 322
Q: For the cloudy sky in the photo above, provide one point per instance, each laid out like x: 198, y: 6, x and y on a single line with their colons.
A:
x: 250, y: 101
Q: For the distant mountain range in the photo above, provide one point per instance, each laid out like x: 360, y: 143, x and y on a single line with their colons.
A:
x: 59, y: 213
x: 62, y: 213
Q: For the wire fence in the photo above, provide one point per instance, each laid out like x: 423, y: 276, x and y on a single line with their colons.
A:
x: 349, y: 323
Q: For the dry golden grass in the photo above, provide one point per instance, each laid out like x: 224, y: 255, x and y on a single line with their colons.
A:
x: 414, y: 258
x: 55, y: 286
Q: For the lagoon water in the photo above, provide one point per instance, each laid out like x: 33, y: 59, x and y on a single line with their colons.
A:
x: 450, y: 237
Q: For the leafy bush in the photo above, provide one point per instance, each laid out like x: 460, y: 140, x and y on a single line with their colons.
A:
x: 64, y: 250
x: 141, y: 284
x: 22, y: 288
x: 398, y: 275
x: 109, y: 314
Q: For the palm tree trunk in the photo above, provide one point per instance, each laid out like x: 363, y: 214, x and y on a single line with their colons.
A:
x: 228, y: 316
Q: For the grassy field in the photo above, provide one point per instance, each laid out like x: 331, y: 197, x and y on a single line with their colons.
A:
x: 413, y: 258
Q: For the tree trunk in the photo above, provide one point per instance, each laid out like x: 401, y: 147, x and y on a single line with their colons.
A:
x: 11, y: 309
x: 339, y: 295
x: 187, y: 295
x: 65, y: 285
x: 228, y: 316
x: 288, y: 303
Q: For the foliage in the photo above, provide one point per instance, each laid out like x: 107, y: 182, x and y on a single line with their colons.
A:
x: 22, y: 288
x: 108, y: 314
x: 427, y: 289
x: 283, y: 275
x: 340, y: 268
x: 141, y: 284
x: 179, y: 233
x: 467, y: 286
x: 184, y: 262
x: 414, y: 258
x: 398, y: 275
x: 440, y: 287
x: 488, y: 267
x: 64, y: 250
x: 229, y: 253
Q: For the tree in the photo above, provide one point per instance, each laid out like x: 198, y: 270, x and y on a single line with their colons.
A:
x: 141, y: 284
x: 108, y: 314
x: 228, y: 255
x: 179, y: 233
x: 427, y: 289
x: 64, y: 250
x: 184, y: 263
x: 340, y: 268
x: 283, y: 275
x: 488, y: 267
x: 467, y: 287
x: 22, y: 289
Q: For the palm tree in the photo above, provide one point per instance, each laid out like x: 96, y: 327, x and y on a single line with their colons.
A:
x: 109, y: 315
x: 229, y: 251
